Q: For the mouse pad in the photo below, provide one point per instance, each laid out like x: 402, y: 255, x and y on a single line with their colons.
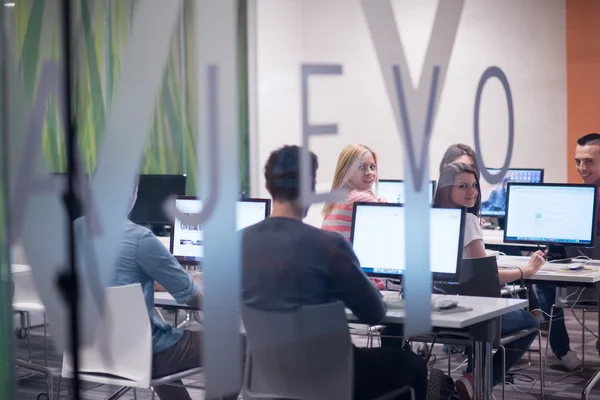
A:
x: 576, y: 271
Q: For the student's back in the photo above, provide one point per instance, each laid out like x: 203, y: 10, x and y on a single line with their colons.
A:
x: 288, y: 264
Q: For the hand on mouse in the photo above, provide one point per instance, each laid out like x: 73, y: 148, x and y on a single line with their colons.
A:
x: 536, y: 262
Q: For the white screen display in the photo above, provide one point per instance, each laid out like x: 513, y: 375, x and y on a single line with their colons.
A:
x: 188, y: 241
x: 493, y: 197
x: 393, y: 191
x: 550, y: 214
x: 379, y: 239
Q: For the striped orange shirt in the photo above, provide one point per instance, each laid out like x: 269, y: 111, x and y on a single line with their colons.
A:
x: 340, y: 218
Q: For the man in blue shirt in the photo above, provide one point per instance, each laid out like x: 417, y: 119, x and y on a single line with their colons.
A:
x: 145, y: 260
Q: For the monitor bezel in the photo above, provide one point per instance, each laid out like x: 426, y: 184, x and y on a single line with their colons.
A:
x: 154, y: 221
x: 521, y: 241
x: 487, y: 215
x: 435, y: 276
x: 183, y: 260
x: 433, y: 186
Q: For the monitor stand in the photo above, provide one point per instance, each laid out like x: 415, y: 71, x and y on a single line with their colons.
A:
x: 500, y: 223
x: 557, y: 253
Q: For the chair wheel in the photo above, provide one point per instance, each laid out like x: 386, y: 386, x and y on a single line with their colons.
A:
x: 43, y: 396
x: 21, y: 333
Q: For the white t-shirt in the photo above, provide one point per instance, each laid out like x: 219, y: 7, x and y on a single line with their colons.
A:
x: 472, y: 231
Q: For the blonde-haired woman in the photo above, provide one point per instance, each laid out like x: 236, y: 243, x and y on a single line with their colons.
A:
x: 356, y: 171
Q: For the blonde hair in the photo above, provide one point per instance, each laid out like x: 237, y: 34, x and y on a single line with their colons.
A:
x: 347, y: 166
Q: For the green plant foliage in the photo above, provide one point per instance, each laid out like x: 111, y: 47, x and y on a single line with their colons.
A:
x: 103, y: 31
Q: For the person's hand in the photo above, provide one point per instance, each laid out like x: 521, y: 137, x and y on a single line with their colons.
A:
x: 536, y: 262
x: 382, y: 200
x: 158, y: 287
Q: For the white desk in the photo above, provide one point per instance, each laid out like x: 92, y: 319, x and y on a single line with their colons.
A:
x: 166, y: 240
x: 551, y: 275
x: 484, y: 309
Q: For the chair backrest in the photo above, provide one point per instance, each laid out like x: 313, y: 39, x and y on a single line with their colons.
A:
x: 122, y: 347
x: 302, y: 354
x: 24, y: 288
x: 479, y: 277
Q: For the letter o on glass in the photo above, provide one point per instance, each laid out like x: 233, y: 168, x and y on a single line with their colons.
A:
x: 494, y: 72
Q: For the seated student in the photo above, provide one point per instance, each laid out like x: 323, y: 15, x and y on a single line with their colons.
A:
x: 145, y: 260
x: 458, y: 186
x: 587, y: 162
x: 287, y: 263
x: 356, y: 171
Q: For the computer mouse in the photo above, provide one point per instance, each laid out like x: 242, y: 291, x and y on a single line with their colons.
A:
x: 575, y: 267
x: 446, y: 304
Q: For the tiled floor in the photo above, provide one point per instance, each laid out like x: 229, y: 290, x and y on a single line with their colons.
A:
x: 559, y: 385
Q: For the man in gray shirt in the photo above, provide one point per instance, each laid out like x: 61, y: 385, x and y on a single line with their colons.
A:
x: 288, y: 264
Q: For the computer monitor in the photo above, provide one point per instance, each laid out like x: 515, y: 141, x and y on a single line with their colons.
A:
x: 551, y: 213
x: 378, y: 236
x: 493, y: 197
x: 187, y: 241
x: 393, y: 190
x: 153, y: 192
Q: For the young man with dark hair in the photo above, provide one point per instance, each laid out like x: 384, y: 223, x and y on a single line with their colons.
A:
x: 287, y: 264
x: 587, y: 162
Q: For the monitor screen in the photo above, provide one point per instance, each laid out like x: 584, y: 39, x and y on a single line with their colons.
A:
x: 378, y: 238
x: 493, y: 197
x: 187, y: 241
x: 153, y: 192
x: 551, y: 214
x: 393, y: 190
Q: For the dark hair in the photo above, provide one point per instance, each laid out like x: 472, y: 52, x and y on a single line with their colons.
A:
x: 443, y: 194
x: 282, y: 173
x: 455, y: 151
x: 587, y: 139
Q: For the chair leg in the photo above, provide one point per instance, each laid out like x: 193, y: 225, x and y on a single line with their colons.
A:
x: 541, y: 366
x: 58, y: 389
x: 119, y: 393
x: 503, y: 349
x: 45, y: 342
x: 548, y: 339
x: 583, y: 337
x: 28, y: 327
x: 590, y: 385
x: 134, y: 394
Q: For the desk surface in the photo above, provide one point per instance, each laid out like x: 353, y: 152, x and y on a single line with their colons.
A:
x: 19, y: 268
x: 550, y: 274
x: 483, y: 309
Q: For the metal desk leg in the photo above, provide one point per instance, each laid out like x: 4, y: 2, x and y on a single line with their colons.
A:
x: 483, y: 370
x: 596, y: 377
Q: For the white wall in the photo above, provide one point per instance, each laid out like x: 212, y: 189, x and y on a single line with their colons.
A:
x: 526, y: 39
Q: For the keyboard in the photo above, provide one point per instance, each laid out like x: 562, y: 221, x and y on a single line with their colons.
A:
x: 512, y: 262
x: 398, y: 302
